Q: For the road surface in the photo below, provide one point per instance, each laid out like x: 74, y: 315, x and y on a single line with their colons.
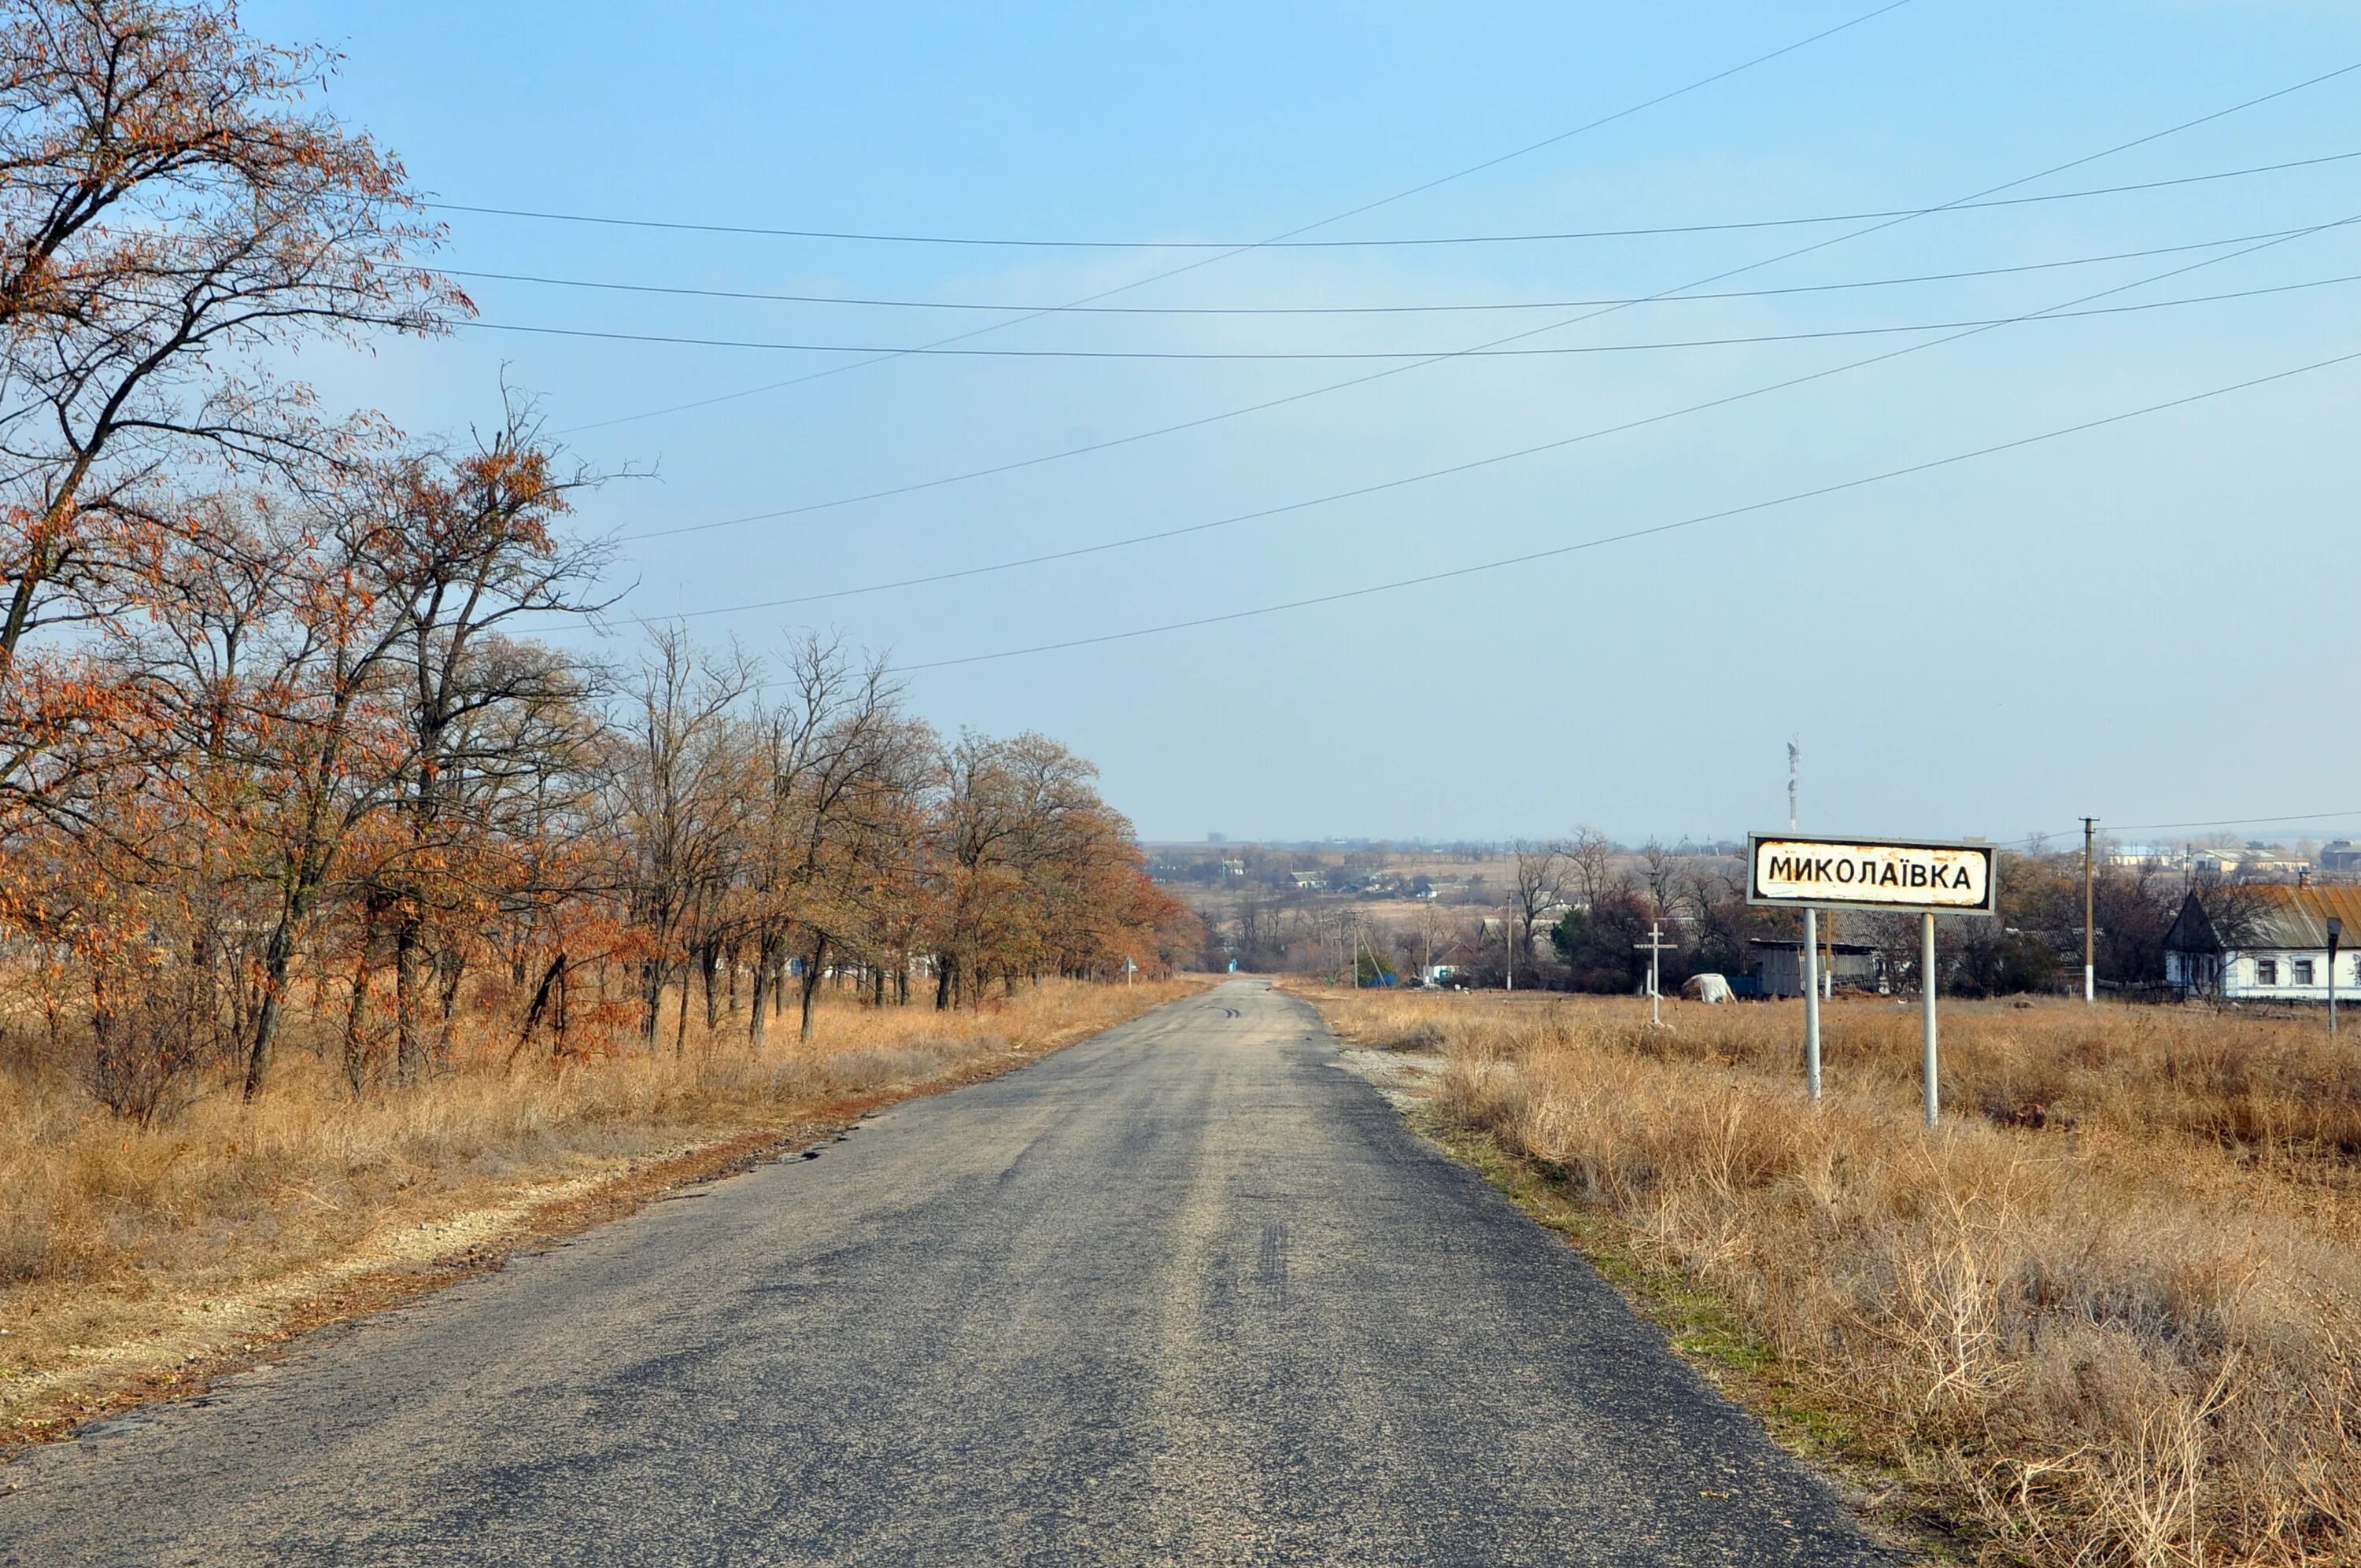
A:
x: 1189, y: 1292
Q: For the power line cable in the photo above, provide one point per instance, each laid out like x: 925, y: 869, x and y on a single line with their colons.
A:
x: 1662, y: 417
x: 2031, y: 838
x: 2238, y: 821
x: 1531, y: 557
x: 1365, y: 207
x: 1397, y: 242
x: 1204, y: 420
x: 1251, y: 357
x: 766, y: 297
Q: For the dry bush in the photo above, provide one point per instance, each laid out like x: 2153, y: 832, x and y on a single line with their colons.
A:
x: 2109, y: 1334
x: 110, y: 1227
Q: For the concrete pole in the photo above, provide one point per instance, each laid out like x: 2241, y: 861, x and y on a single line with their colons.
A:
x: 1926, y: 1011
x: 2090, y: 905
x: 2335, y: 934
x: 1509, y: 937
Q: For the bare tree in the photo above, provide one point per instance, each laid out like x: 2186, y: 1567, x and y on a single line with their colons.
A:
x: 1660, y: 874
x: 1590, y: 857
x: 1538, y: 877
x: 680, y: 786
x: 832, y: 757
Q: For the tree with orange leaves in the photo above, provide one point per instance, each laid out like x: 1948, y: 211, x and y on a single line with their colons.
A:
x: 169, y: 211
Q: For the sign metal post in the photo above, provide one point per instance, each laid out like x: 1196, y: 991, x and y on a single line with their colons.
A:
x: 1812, y: 1002
x: 1927, y: 1015
x: 1811, y: 950
x: 1895, y: 876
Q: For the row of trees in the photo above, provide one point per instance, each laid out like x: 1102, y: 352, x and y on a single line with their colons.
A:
x: 2032, y: 946
x: 1577, y: 910
x: 282, y: 718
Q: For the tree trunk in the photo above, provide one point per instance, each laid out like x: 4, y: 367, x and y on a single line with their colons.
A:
x: 409, y: 1048
x: 450, y: 968
x: 765, y: 989
x: 356, y: 1018
x: 709, y: 962
x: 813, y: 965
x: 276, y: 955
x: 551, y: 994
x: 651, y: 999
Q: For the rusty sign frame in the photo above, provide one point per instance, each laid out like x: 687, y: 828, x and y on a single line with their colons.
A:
x: 1756, y: 897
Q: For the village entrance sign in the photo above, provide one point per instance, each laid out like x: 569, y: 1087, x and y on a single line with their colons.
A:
x: 1894, y: 876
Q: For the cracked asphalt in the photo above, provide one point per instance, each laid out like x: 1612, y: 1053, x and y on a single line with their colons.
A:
x: 1189, y: 1292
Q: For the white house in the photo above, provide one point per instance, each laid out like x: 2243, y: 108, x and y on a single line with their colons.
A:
x: 2264, y: 942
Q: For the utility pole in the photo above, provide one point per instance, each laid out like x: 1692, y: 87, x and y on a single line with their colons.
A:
x: 1508, y: 940
x: 1811, y: 948
x: 1654, y: 947
x: 2336, y: 935
x: 2090, y: 905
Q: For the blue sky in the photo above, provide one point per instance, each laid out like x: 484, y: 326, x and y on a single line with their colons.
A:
x: 2151, y: 621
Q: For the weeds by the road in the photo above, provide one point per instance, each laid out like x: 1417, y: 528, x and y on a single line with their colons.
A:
x: 2110, y: 1313
x: 123, y: 1246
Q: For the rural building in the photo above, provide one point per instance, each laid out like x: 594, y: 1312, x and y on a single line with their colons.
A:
x: 2340, y: 855
x: 1778, y: 967
x: 2263, y: 942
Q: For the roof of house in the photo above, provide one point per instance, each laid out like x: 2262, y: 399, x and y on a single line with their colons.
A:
x: 2272, y: 914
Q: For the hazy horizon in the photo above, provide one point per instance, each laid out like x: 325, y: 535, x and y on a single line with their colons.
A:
x: 2136, y: 621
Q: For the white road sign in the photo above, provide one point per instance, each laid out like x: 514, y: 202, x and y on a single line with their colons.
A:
x: 1891, y: 873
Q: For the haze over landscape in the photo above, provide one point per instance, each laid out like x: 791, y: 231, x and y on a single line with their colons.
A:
x: 1995, y: 648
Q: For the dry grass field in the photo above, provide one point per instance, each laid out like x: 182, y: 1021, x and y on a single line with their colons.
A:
x: 2109, y: 1313
x: 137, y: 1258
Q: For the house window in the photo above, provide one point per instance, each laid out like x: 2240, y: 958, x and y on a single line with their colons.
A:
x: 2303, y: 971
x: 2267, y: 971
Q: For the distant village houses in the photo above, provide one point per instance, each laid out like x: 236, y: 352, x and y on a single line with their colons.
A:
x: 2264, y: 942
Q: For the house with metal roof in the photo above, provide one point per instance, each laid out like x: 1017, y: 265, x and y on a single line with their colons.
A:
x: 2266, y: 942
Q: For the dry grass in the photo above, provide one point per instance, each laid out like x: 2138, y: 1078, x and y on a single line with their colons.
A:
x: 124, y: 1248
x: 2111, y: 1313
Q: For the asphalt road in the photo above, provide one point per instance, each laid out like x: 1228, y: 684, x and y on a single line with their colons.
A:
x: 1186, y: 1293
